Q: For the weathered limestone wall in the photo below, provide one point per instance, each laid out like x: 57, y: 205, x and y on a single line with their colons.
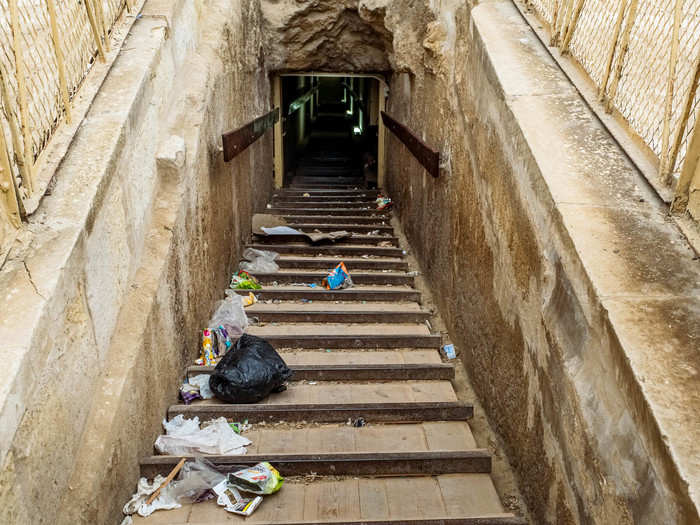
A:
x: 571, y: 296
x: 106, y: 289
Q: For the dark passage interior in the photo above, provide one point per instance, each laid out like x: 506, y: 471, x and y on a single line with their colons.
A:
x: 330, y: 130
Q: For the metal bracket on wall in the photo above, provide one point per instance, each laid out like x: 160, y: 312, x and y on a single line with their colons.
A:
x: 428, y: 157
x: 236, y: 141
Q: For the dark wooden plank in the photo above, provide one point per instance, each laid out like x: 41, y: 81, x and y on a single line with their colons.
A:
x: 238, y: 140
x: 335, y: 249
x: 369, y: 372
x: 335, y: 220
x: 351, y: 264
x: 355, y: 239
x: 428, y: 157
x: 477, y: 461
x: 359, y: 228
x: 354, y: 341
x: 324, y: 203
x: 380, y: 412
x: 339, y: 212
x: 502, y: 519
x: 349, y: 294
x: 396, y: 279
x: 339, y: 316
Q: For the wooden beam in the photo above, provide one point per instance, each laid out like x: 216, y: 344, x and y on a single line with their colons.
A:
x: 690, y: 170
x: 238, y: 140
x: 381, y: 136
x: 12, y: 123
x: 611, y: 51
x: 98, y: 5
x: 278, y: 139
x: 60, y: 64
x: 428, y: 157
x: 8, y: 186
x: 17, y: 46
x: 664, y: 168
x: 299, y: 102
x: 572, y: 27
x: 624, y: 46
x: 685, y: 116
x: 95, y: 29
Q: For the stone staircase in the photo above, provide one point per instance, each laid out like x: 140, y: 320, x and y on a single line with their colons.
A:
x: 362, y: 352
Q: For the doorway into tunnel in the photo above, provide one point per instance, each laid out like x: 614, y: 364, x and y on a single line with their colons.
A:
x: 329, y: 129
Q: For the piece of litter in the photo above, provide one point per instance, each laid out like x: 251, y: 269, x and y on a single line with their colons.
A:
x: 449, y: 351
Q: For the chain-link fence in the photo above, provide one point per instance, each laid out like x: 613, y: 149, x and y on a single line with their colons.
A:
x: 644, y: 57
x: 47, y: 47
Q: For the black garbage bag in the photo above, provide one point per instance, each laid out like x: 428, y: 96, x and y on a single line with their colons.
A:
x: 249, y: 371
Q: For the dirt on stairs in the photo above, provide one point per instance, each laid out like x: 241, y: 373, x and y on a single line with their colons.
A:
x: 362, y: 352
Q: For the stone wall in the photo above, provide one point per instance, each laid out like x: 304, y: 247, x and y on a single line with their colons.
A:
x: 570, y: 294
x: 106, y: 288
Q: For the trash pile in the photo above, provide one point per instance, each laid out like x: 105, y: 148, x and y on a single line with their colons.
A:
x: 239, y: 491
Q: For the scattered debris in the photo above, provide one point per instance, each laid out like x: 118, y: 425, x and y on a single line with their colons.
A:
x: 259, y: 261
x: 357, y: 423
x: 306, y: 195
x: 383, y: 203
x: 385, y: 244
x: 266, y: 224
x: 339, y: 277
x: 196, y: 387
x: 185, y: 437
x: 232, y: 501
x: 250, y: 299
x: 239, y: 428
x: 250, y: 372
x: 144, y: 489
x: 262, y: 478
x: 244, y: 281
x: 449, y: 351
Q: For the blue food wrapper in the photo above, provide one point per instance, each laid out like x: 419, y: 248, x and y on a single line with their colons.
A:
x: 338, y: 278
x: 449, y: 351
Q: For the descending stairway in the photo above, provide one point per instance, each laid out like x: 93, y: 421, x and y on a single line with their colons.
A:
x: 362, y: 352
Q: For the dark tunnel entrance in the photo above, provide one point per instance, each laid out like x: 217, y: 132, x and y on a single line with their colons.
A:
x: 330, y: 129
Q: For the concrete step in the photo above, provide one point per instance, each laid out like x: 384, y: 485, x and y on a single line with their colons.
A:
x: 355, y: 228
x: 296, y: 276
x: 325, y: 199
x: 351, y: 263
x: 373, y: 240
x: 339, y: 335
x: 356, y: 293
x: 334, y: 249
x: 333, y: 313
x: 331, y: 449
x: 448, y: 499
x: 302, y: 203
x: 330, y: 220
x: 363, y: 372
x: 334, y: 193
x: 338, y: 212
x: 350, y: 464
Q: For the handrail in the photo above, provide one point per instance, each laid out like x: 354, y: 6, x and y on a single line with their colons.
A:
x: 298, y: 102
x: 239, y: 139
x: 358, y: 98
x: 428, y: 157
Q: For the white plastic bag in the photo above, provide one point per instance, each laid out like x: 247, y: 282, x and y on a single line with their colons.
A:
x: 144, y: 489
x: 184, y: 437
x: 259, y: 261
x: 202, y: 381
x: 231, y: 315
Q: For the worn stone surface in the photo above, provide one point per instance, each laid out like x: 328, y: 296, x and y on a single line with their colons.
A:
x: 118, y: 269
x: 547, y: 253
